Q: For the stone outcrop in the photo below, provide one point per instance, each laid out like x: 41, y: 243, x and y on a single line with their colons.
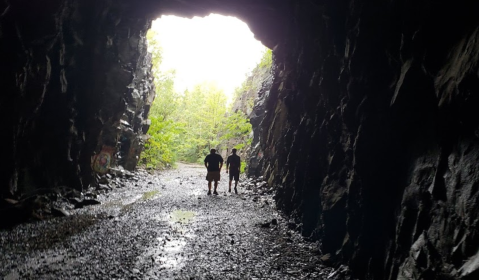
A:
x: 75, y: 78
x: 371, y: 137
x: 255, y: 159
x: 369, y: 132
x: 252, y: 88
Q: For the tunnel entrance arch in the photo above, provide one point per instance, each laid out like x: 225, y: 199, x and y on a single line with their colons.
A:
x: 208, y: 71
x: 80, y: 70
x: 367, y: 105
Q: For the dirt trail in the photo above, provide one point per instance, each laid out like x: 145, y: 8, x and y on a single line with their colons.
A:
x: 164, y: 226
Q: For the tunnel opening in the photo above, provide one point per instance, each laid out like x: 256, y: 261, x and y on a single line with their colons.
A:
x: 207, y: 73
x: 83, y: 83
x: 79, y: 91
x: 367, y: 131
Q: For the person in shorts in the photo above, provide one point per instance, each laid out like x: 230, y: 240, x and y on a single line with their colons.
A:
x: 234, y: 164
x: 213, y: 163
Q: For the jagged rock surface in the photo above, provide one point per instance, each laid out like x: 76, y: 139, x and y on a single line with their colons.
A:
x: 252, y: 89
x: 369, y: 134
x: 75, y: 78
x: 255, y: 159
x: 371, y: 137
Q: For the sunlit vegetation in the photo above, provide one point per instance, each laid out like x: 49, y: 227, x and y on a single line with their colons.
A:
x: 266, y: 60
x: 185, y: 126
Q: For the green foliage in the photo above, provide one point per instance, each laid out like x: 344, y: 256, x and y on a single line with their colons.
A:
x: 202, y: 113
x: 185, y: 126
x: 247, y: 85
x: 155, y: 49
x: 159, y: 150
x: 236, y: 126
x: 166, y: 101
x: 243, y: 166
x: 237, y: 129
x: 239, y: 146
x: 266, y: 60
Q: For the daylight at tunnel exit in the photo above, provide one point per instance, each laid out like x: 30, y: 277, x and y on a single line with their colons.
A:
x: 271, y: 139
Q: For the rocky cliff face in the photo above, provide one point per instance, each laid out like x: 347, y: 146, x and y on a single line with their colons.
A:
x: 75, y: 78
x: 252, y: 88
x: 369, y: 131
x: 371, y: 137
x: 255, y: 164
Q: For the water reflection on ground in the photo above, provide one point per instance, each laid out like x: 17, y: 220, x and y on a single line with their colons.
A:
x: 164, y: 226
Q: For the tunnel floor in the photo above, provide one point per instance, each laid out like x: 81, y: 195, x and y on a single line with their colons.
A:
x: 164, y: 226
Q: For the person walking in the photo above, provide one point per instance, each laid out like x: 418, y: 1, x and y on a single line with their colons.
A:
x: 213, y: 164
x: 234, y: 164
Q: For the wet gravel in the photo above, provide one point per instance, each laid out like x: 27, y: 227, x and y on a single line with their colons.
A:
x: 164, y: 226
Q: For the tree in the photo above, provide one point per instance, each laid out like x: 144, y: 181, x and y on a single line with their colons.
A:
x: 237, y: 129
x: 154, y: 48
x: 202, y: 115
x: 186, y: 126
x: 166, y: 100
x: 237, y: 126
x: 160, y: 148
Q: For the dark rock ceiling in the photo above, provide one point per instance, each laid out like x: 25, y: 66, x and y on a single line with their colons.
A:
x: 370, y: 132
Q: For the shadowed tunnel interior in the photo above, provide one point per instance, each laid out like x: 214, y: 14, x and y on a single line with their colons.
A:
x: 368, y: 130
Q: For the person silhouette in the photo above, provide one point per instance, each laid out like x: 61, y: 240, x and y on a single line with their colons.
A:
x: 213, y: 164
x: 234, y: 164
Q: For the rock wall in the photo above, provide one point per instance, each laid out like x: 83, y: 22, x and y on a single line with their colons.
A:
x: 70, y: 70
x: 370, y: 134
x: 369, y: 131
x: 76, y: 81
x: 255, y: 160
x: 244, y: 102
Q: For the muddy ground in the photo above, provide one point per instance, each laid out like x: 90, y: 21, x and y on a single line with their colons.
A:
x: 164, y: 226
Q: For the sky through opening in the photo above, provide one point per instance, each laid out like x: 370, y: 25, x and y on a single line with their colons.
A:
x: 215, y: 48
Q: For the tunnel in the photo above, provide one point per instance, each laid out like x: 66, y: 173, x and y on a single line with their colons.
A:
x: 368, y: 131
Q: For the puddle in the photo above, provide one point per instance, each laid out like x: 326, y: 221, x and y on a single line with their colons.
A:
x: 149, y: 195
x: 127, y: 203
x: 113, y: 203
x: 169, y: 252
x: 177, y: 219
x: 125, y: 208
x: 174, y: 244
x: 171, y: 256
x: 182, y: 217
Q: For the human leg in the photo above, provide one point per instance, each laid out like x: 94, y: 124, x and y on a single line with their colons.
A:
x: 231, y: 180
x: 236, y: 178
x: 216, y: 177
x: 209, y: 179
x: 216, y: 186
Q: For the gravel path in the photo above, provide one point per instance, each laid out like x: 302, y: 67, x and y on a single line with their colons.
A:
x: 164, y: 226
